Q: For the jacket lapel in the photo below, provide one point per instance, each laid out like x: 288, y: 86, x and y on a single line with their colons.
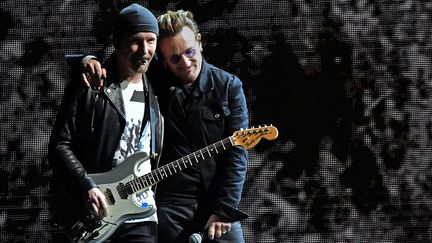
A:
x: 113, y: 92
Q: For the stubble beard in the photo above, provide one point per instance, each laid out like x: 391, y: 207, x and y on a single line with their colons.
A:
x: 140, y: 68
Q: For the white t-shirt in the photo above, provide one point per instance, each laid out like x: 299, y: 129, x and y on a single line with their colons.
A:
x: 133, y: 141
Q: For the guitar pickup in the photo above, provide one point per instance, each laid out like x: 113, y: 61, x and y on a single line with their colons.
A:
x: 109, y: 196
x: 123, y: 191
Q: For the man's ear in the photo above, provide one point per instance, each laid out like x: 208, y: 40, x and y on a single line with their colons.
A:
x: 198, y: 38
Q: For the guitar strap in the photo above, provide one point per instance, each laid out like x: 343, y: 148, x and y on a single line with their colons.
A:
x: 149, y: 116
x: 146, y: 102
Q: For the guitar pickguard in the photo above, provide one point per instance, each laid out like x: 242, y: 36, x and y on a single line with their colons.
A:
x: 144, y: 198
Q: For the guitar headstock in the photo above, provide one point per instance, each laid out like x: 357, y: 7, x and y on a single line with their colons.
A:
x: 250, y: 137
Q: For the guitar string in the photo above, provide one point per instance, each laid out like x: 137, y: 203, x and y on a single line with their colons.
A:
x: 173, y: 166
x: 122, y: 188
x: 198, y: 154
x: 162, y: 170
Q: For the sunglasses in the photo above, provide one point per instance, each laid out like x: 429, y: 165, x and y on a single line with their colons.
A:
x: 189, y: 53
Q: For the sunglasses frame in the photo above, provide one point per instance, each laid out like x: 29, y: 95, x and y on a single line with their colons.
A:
x: 189, y: 53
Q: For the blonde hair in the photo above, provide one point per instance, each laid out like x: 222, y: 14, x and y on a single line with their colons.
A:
x: 172, y: 22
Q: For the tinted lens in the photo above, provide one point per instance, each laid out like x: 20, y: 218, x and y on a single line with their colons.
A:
x: 174, y: 59
x: 189, y: 53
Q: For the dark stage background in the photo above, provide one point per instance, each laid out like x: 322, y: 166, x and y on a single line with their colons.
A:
x: 347, y: 83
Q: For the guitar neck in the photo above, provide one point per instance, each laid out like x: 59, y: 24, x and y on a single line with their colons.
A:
x: 176, y: 166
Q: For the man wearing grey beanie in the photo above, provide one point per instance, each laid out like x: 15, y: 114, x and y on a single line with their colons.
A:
x: 201, y: 104
x: 106, y: 137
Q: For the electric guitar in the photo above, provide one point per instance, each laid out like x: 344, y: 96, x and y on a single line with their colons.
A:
x: 123, y: 189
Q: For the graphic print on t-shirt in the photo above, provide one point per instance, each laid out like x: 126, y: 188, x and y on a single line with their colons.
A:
x: 132, y: 141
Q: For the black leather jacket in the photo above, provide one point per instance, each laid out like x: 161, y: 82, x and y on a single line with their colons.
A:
x: 88, y: 129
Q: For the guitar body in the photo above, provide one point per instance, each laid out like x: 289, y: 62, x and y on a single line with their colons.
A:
x: 81, y: 226
x: 126, y: 188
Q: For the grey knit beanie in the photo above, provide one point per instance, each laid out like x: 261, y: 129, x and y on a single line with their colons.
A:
x: 136, y: 18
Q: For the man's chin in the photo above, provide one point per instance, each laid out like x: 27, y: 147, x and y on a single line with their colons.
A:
x: 141, y: 69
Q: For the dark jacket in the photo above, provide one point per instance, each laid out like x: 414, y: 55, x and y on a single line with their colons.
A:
x: 215, y: 110
x: 88, y: 129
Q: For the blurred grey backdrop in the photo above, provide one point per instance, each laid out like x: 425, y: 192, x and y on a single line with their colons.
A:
x: 347, y: 83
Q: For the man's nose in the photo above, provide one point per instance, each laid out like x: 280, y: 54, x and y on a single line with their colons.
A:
x: 185, y: 60
x: 144, y: 48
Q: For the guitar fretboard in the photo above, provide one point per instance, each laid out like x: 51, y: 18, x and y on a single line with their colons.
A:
x: 176, y: 166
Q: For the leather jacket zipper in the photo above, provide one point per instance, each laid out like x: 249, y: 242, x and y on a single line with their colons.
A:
x: 93, y: 112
